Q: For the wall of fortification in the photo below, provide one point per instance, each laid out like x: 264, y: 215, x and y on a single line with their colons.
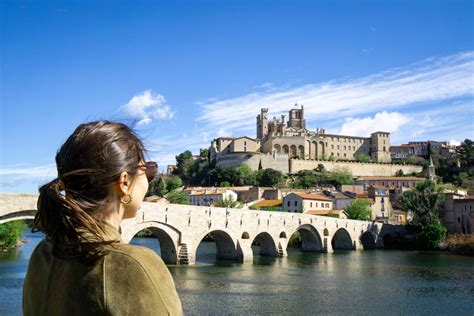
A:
x: 356, y: 168
x: 277, y: 162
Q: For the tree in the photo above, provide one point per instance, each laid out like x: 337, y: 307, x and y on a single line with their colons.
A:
x: 424, y: 202
x: 246, y: 175
x: 224, y: 184
x: 359, y: 209
x: 363, y: 158
x: 231, y: 203
x: 399, y: 173
x: 343, y: 177
x: 204, y: 153
x: 269, y: 177
x: 465, y: 153
x: 431, y: 235
x: 10, y: 233
x: 173, y: 183
x: 178, y: 197
x: 157, y: 187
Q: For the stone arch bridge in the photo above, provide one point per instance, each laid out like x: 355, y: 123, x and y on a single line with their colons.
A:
x: 181, y: 228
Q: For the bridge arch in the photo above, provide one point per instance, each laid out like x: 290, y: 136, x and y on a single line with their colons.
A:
x: 225, y: 246
x: 367, y: 240
x: 167, y: 237
x: 16, y: 216
x: 310, y: 238
x: 267, y: 244
x: 342, y: 240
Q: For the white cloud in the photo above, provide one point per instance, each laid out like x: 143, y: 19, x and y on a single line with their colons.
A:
x: 147, y: 106
x: 382, y: 121
x: 429, y: 81
x: 36, y: 172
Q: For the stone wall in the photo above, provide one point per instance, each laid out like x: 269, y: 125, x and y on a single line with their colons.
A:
x: 356, y: 168
x: 276, y: 161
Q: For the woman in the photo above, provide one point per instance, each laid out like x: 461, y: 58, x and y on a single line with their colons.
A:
x: 83, y: 267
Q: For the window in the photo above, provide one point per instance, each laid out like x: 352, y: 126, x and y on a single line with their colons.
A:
x: 316, y: 204
x: 338, y: 154
x: 288, y: 203
x: 459, y: 219
x: 296, y: 203
x: 344, y: 147
x: 332, y: 146
x: 311, y: 204
x: 337, y: 146
x: 344, y: 155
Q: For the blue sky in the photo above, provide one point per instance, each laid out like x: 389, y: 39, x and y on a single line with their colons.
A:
x: 183, y: 69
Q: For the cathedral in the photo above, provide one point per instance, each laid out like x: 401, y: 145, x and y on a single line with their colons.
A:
x: 291, y: 138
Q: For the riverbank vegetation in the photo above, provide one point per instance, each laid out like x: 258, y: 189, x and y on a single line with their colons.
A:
x: 10, y: 234
x: 459, y: 244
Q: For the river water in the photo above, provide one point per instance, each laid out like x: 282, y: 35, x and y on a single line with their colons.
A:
x: 346, y: 282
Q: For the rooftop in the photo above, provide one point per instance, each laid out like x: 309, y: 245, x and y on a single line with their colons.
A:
x: 266, y: 203
x: 317, y: 197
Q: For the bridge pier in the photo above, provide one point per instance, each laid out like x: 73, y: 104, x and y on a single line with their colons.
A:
x: 244, y: 250
x: 327, y: 245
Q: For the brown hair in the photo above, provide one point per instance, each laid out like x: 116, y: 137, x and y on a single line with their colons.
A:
x: 89, y: 163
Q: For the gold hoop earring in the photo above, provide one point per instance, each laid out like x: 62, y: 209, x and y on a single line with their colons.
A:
x: 126, y: 201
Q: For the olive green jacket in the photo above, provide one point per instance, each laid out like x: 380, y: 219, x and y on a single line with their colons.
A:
x: 128, y: 280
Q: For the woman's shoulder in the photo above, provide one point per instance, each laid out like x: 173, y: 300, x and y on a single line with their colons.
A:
x: 133, y: 253
x: 140, y: 270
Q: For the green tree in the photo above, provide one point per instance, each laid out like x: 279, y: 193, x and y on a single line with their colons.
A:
x: 431, y: 235
x: 359, y: 209
x: 224, y: 184
x: 363, y: 158
x: 157, y: 187
x: 204, y: 153
x: 246, y: 176
x: 184, y: 161
x: 173, y: 183
x: 178, y: 197
x: 343, y: 177
x: 269, y: 177
x: 465, y: 153
x: 399, y: 173
x: 230, y: 203
x: 10, y: 233
x: 425, y: 202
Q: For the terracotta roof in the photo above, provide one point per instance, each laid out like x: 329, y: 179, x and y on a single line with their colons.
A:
x: 322, y: 212
x: 362, y: 195
x: 392, y: 178
x: 265, y: 203
x: 317, y: 197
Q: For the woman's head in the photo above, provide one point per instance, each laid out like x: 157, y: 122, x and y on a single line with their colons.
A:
x: 101, y: 170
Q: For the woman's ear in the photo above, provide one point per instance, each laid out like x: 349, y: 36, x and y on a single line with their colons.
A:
x: 124, y: 183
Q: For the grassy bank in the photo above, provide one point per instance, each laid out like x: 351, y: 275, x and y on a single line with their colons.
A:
x: 459, y: 244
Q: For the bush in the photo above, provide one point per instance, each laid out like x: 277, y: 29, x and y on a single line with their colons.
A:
x: 10, y: 233
x: 431, y: 235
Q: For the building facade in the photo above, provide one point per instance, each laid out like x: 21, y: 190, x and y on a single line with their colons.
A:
x: 292, y: 139
x: 398, y: 182
x: 302, y: 202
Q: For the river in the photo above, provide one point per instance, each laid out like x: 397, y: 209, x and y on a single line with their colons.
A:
x: 346, y: 282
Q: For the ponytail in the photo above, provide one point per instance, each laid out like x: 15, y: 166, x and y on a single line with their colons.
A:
x: 65, y: 221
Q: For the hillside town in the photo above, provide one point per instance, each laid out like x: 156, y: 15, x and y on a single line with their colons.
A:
x: 344, y: 176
